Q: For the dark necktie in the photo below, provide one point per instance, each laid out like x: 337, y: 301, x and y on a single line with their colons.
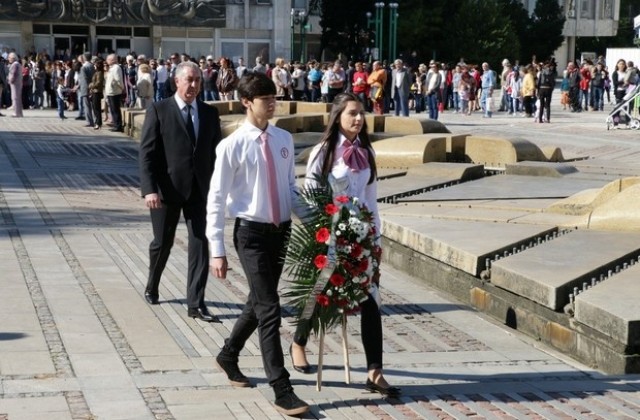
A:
x: 190, y: 128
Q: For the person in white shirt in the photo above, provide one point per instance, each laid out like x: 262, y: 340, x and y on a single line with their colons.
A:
x: 254, y: 180
x: 345, y: 152
x: 114, y: 86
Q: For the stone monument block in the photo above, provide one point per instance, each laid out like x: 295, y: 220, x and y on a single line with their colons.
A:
x: 375, y: 123
x: 460, y: 171
x: 495, y: 152
x: 229, y: 124
x: 407, y: 151
x: 137, y: 121
x: 286, y: 122
x: 222, y: 107
x: 310, y: 122
x: 550, y: 169
x: 313, y: 107
x: 620, y: 212
x: 285, y: 108
x: 404, y: 125
x: 235, y: 107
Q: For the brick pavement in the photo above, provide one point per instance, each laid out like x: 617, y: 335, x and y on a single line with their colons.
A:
x: 77, y: 340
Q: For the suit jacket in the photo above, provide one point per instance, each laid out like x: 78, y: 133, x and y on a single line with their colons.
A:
x: 169, y: 164
x: 405, y: 86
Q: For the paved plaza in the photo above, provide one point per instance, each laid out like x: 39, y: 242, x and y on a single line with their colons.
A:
x: 78, y: 340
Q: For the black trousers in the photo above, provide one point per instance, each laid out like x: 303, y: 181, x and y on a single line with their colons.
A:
x: 115, y: 103
x: 261, y: 248
x: 544, y: 94
x: 164, y: 222
x: 96, y: 103
x: 371, y: 331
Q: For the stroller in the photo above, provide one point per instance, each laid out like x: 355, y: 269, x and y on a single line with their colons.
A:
x: 627, y: 111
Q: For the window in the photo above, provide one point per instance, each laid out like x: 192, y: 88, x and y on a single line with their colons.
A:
x: 71, y: 29
x: 587, y: 9
x: 144, y: 32
x: 113, y: 30
x: 607, y: 9
x: 41, y: 29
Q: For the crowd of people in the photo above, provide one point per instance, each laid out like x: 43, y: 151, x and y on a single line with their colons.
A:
x: 38, y: 82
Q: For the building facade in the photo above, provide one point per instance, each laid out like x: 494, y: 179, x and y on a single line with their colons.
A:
x: 231, y: 28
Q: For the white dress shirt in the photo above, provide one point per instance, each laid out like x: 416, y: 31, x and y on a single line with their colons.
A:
x: 182, y: 105
x: 357, y: 185
x: 240, y: 183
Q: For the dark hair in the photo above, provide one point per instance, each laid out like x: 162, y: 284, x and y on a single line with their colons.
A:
x: 255, y: 84
x: 331, y: 135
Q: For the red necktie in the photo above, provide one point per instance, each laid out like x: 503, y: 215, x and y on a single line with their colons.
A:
x: 354, y: 156
x: 272, y: 179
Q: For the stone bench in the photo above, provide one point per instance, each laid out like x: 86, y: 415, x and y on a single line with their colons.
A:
x: 313, y: 107
x: 495, y: 152
x: 404, y: 125
x: 407, y: 151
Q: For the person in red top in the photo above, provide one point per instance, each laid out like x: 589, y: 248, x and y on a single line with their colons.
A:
x: 585, y: 83
x: 360, y: 86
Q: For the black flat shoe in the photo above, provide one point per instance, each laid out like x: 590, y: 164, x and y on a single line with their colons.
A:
x: 306, y: 369
x: 391, y: 392
x: 203, y: 315
x: 151, y: 299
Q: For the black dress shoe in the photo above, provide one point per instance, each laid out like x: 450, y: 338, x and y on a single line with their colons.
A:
x: 306, y: 369
x: 391, y: 392
x: 203, y: 315
x: 80, y: 118
x: 151, y: 299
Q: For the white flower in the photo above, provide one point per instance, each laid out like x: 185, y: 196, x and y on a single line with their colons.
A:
x: 342, y: 226
x: 329, y: 292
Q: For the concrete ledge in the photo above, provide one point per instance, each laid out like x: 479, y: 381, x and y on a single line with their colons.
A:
x: 404, y: 125
x: 286, y: 122
x: 494, y: 152
x: 229, y: 124
x: 456, y: 243
x: 456, y: 144
x: 136, y: 125
x: 458, y: 171
x: 550, y: 169
x: 547, y: 273
x: 235, y: 107
x: 403, y: 152
x: 611, y: 307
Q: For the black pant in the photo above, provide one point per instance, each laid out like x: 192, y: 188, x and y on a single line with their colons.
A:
x: 115, y: 102
x: 96, y: 103
x: 261, y: 249
x: 544, y: 94
x: 164, y: 222
x: 371, y: 330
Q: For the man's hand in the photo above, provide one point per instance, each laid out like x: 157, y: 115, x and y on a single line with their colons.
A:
x: 218, y: 267
x: 152, y: 201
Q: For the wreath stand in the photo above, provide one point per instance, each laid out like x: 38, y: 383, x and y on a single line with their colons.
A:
x: 345, y: 352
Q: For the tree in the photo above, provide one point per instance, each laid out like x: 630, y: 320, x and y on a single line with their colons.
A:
x: 547, y: 23
x: 344, y: 26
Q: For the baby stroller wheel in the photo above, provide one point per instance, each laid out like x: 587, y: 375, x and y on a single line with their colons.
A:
x: 635, y: 124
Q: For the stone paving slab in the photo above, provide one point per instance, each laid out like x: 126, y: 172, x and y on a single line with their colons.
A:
x: 548, y: 273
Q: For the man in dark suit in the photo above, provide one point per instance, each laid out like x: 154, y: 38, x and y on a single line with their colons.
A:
x: 177, y: 154
x: 400, y: 87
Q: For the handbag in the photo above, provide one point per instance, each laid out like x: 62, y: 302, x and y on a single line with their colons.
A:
x: 378, y: 93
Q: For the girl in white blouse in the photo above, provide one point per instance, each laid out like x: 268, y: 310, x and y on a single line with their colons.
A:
x: 345, y: 152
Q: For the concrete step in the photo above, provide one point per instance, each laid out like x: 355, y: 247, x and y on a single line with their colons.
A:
x: 547, y: 274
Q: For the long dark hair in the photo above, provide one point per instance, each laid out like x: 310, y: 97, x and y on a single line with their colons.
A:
x: 331, y: 135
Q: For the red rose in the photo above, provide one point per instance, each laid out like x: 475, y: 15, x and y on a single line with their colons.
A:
x: 322, y: 235
x: 331, y: 209
x: 342, y: 199
x: 342, y: 241
x: 320, y: 261
x: 342, y: 302
x: 356, y: 251
x: 323, y: 300
x: 364, y: 264
x: 337, y: 279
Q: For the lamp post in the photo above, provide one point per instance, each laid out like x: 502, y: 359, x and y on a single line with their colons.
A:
x: 393, y: 30
x: 298, y: 17
x: 379, y: 27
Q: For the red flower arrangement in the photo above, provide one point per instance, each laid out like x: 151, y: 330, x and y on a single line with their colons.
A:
x: 331, y: 259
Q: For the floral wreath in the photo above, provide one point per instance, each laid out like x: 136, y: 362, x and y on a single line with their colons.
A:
x: 332, y: 258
